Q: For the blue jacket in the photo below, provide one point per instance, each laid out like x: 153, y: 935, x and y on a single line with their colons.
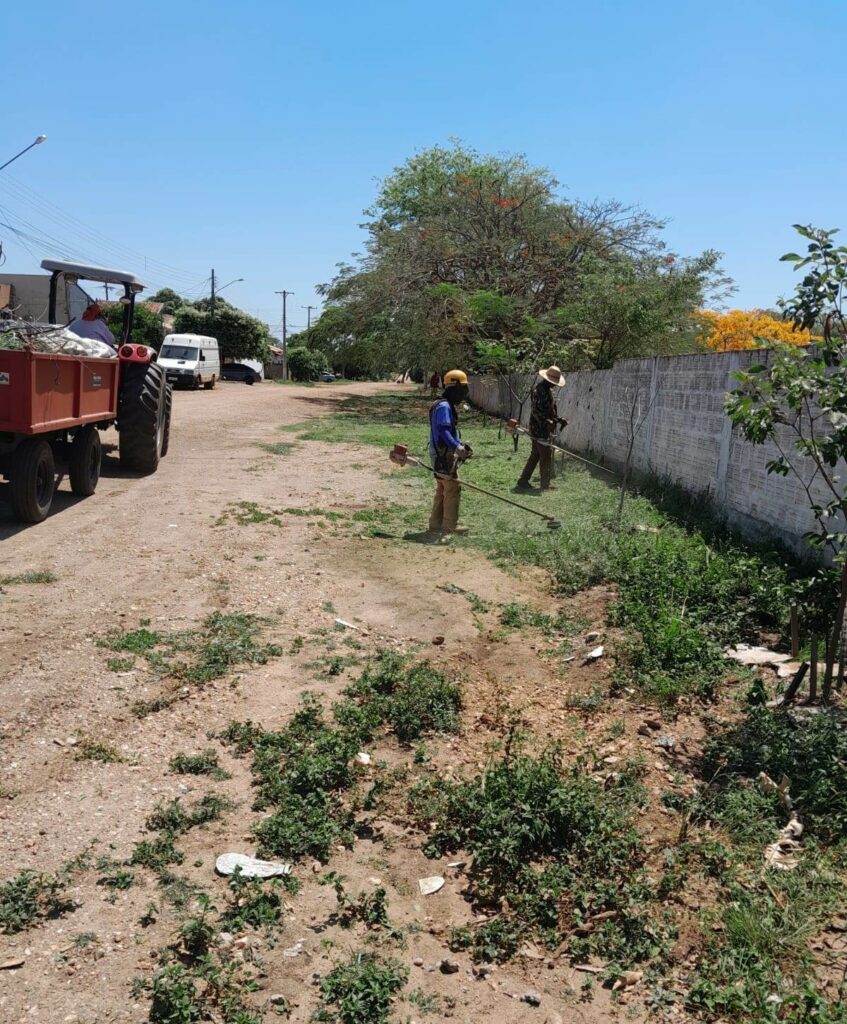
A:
x: 444, y: 436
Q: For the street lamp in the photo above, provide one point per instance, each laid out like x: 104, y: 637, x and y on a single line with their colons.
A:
x: 215, y: 292
x: 235, y: 281
x: 38, y: 141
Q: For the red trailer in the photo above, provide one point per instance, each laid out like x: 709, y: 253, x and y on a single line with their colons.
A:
x: 53, y: 406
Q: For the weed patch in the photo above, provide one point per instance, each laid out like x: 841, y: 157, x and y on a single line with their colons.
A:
x: 808, y: 749
x: 413, y: 700
x: 477, y: 604
x: 370, y: 908
x: 194, y: 657
x: 203, y: 763
x: 31, y: 897
x: 754, y: 967
x: 302, y: 771
x: 253, y: 904
x: 120, y: 664
x: 555, y: 855
x: 360, y: 990
x: 115, y: 877
x: 209, y: 989
x: 93, y: 750
x: 136, y: 641
x: 28, y: 577
x: 157, y: 853
x: 277, y: 447
x: 521, y: 616
x: 174, y: 818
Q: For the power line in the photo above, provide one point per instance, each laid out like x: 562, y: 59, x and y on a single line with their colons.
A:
x: 56, y: 215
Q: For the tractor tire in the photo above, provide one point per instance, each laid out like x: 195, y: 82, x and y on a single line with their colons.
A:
x: 85, y: 461
x: 33, y: 480
x: 142, y: 409
x: 169, y: 401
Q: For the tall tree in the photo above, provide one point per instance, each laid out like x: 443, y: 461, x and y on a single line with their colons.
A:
x: 451, y: 224
x: 171, y: 300
x: 239, y: 336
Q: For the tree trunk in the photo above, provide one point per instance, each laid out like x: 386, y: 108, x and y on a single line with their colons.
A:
x: 832, y: 645
x: 813, y: 673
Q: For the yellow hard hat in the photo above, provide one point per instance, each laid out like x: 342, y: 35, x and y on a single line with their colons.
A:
x: 455, y: 377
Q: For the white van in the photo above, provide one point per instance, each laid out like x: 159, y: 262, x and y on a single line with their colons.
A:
x: 190, y: 360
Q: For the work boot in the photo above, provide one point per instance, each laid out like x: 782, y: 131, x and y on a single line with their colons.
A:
x: 549, y: 487
x: 460, y: 530
x: 522, y: 487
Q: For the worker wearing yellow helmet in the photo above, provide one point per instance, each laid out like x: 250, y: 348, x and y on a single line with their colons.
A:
x: 447, y: 450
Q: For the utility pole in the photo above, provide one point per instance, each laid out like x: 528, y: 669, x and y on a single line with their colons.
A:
x: 284, y: 295
x: 309, y: 315
x: 212, y: 302
x: 106, y: 290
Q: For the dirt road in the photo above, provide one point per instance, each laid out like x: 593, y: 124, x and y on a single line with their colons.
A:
x: 162, y: 550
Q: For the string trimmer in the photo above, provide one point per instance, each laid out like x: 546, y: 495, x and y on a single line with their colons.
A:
x: 513, y: 427
x: 399, y: 455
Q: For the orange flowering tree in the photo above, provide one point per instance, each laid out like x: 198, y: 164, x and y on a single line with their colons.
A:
x: 748, y: 328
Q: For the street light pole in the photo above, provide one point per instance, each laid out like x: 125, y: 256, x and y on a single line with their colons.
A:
x: 284, y: 295
x: 38, y: 141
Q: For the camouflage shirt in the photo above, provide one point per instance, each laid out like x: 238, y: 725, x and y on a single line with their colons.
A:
x: 542, y: 418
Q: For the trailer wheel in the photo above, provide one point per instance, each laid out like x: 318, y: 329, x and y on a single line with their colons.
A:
x: 33, y: 480
x: 169, y: 401
x: 142, y: 409
x: 84, y: 463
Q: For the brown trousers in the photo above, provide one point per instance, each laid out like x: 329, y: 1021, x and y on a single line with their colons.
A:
x: 541, y: 456
x: 445, y: 505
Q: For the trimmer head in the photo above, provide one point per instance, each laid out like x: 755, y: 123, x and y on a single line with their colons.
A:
x: 553, y: 524
x: 399, y: 454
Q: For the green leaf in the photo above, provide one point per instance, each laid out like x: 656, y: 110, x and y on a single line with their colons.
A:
x: 793, y: 256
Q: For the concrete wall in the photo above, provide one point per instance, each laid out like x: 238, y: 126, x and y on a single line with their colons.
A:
x: 674, y: 408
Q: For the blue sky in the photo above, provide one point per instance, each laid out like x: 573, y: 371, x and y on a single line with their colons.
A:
x: 249, y: 136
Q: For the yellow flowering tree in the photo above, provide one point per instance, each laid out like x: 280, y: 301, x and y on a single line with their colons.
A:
x: 748, y: 328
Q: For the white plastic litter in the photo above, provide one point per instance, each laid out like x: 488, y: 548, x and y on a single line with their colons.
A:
x: 430, y: 885
x: 227, y: 863
x: 747, y: 655
x: 595, y: 654
x: 363, y: 758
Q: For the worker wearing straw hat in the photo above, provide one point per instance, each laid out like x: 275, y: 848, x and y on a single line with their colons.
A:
x: 542, y: 425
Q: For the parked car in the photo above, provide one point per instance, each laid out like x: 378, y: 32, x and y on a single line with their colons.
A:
x: 327, y: 377
x: 238, y: 371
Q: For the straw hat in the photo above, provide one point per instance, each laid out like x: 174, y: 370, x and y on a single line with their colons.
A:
x: 553, y: 375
